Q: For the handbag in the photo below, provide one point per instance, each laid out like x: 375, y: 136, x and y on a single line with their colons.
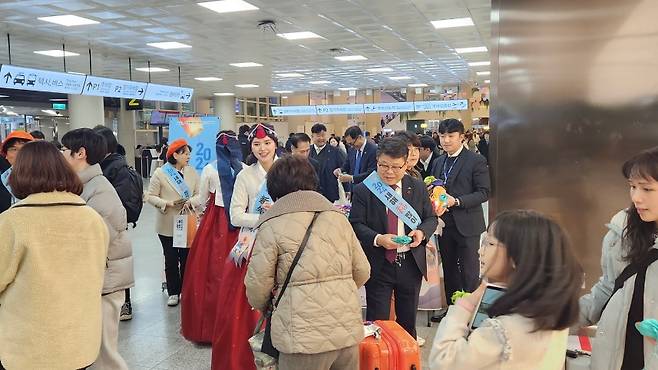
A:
x: 185, y: 228
x: 265, y: 354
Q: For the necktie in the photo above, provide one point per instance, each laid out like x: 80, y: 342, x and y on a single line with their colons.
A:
x: 357, y: 163
x: 392, y: 219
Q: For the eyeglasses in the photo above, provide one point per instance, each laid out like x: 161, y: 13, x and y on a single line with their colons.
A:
x: 388, y: 167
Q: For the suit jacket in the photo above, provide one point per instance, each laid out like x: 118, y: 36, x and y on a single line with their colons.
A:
x: 469, y: 181
x: 368, y: 162
x: 329, y: 159
x: 368, y: 218
x: 424, y: 173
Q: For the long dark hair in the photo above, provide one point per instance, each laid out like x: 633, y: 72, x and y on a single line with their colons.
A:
x: 639, y: 236
x: 545, y: 284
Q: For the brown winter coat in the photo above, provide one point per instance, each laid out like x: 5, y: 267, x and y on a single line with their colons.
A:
x: 320, y: 310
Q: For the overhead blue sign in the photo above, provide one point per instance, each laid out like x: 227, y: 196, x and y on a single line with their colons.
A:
x: 168, y: 93
x: 21, y: 78
x: 200, y: 134
x: 294, y: 110
x: 440, y: 105
x: 389, y: 107
x: 100, y: 86
x: 340, y: 109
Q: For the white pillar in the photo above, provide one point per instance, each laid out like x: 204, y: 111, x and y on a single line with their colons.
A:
x: 225, y: 110
x: 126, y: 131
x: 86, y: 111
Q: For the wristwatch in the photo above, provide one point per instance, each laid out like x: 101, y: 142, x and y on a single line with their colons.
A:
x: 458, y: 203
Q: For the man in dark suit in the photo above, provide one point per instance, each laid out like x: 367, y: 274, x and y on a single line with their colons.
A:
x: 300, y: 145
x: 329, y: 158
x: 361, y: 157
x: 428, y: 155
x: 394, y: 267
x: 466, y: 176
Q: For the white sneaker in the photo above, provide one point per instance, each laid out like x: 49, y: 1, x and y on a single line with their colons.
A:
x: 172, y: 301
x: 420, y: 340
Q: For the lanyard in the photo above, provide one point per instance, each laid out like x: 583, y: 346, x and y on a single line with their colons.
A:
x: 446, y: 174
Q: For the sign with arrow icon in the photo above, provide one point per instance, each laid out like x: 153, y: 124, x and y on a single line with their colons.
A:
x: 168, y: 93
x: 100, y: 86
x: 14, y: 77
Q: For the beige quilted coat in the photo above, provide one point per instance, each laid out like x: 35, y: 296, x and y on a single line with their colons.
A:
x: 320, y: 310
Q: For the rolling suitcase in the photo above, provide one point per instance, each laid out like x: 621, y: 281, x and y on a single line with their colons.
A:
x: 393, y: 349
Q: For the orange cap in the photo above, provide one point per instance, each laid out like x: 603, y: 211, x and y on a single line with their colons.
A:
x: 175, y: 145
x: 22, y: 135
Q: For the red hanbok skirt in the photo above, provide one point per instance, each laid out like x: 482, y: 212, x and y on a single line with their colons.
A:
x: 203, y: 274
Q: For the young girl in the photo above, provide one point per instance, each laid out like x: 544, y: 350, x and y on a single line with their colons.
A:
x: 235, y: 320
x: 213, y: 241
x: 627, y: 293
x: 530, y: 255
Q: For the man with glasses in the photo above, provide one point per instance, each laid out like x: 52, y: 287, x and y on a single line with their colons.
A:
x: 330, y: 158
x: 388, y: 204
x: 361, y: 157
x: 9, y: 150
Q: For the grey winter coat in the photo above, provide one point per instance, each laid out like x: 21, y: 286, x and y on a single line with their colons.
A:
x: 100, y: 195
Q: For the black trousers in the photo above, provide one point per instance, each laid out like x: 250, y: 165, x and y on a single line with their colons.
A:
x: 405, y: 280
x: 175, y: 260
x: 460, y: 261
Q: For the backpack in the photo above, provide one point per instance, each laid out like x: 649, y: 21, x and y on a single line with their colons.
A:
x: 133, y: 199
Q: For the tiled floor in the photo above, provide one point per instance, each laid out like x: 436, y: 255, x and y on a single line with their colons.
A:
x: 151, y: 340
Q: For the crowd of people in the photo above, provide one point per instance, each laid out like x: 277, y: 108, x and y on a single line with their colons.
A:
x: 272, y: 243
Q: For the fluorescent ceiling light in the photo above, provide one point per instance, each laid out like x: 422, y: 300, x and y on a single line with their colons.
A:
x: 418, y: 85
x: 68, y: 20
x: 478, y: 49
x: 49, y: 111
x: 347, y: 88
x: 284, y: 97
x: 223, y: 94
x: 228, y: 6
x: 398, y: 78
x: 484, y: 73
x: 477, y: 64
x: 57, y: 53
x: 246, y: 65
x: 299, y: 35
x: 58, y: 99
x: 4, y: 96
x: 152, y: 69
x: 320, y: 82
x: 290, y: 75
x: 207, y: 79
x: 351, y: 58
x: 487, y: 81
x: 169, y: 45
x: 383, y: 69
x: 452, y: 23
x: 246, y: 86
x: 283, y: 92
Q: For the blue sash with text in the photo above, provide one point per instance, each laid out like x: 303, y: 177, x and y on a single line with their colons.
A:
x: 177, y: 181
x: 394, y: 202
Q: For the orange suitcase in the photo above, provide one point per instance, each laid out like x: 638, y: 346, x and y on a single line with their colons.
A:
x: 395, y: 349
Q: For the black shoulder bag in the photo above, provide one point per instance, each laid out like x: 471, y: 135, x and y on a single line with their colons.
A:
x: 268, y: 348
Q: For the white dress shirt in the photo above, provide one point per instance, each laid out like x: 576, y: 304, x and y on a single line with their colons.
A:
x: 426, y: 163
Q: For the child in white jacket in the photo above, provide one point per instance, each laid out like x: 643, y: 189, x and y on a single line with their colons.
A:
x: 530, y: 255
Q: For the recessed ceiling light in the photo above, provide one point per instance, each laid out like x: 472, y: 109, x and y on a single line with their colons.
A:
x: 487, y: 81
x: 152, y: 69
x: 418, y: 85
x: 398, y: 78
x: 351, y: 58
x: 452, y: 23
x: 383, y: 69
x: 228, y: 6
x: 246, y: 65
x: 68, y: 20
x: 57, y: 53
x: 207, y: 79
x: 49, y: 111
x: 320, y: 82
x: 347, y: 88
x: 477, y: 64
x: 299, y: 35
x: 484, y: 73
x: 169, y: 45
x: 290, y: 75
x: 478, y: 49
x: 246, y: 86
x: 224, y: 94
x: 283, y: 92
x: 284, y: 97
